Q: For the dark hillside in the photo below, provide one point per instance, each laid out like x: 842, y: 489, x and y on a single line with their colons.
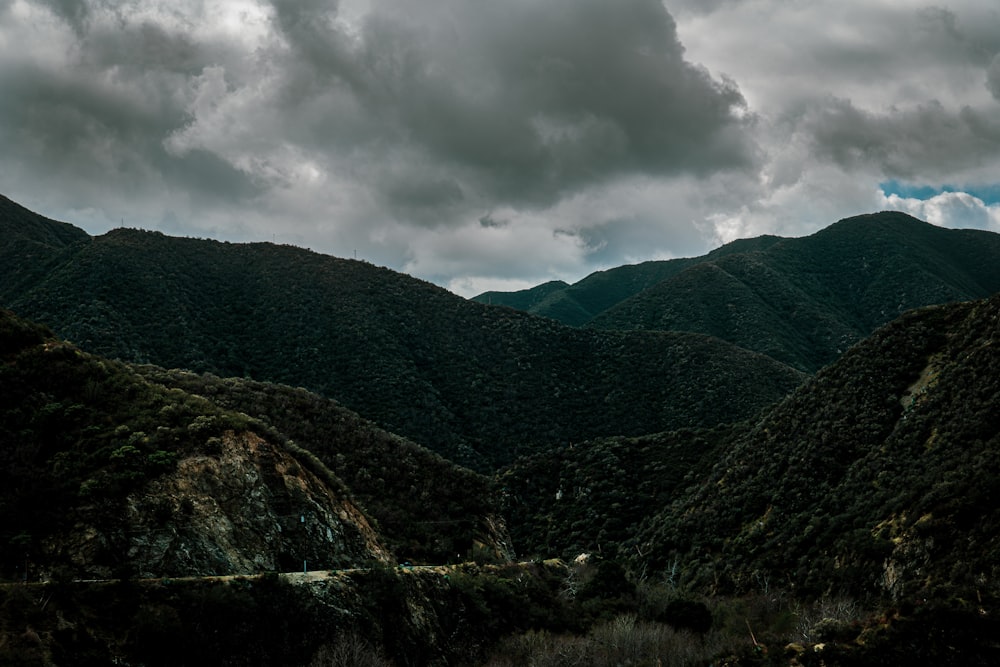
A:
x: 804, y: 301
x: 878, y: 477
x: 526, y: 300
x: 474, y: 383
x: 580, y: 302
x: 103, y: 472
x: 592, y: 496
x: 427, y: 509
x: 30, y: 243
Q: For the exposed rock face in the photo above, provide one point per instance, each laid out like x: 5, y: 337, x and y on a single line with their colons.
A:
x: 494, y: 539
x: 248, y: 506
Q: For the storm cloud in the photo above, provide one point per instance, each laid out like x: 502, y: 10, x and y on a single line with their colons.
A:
x: 493, y: 145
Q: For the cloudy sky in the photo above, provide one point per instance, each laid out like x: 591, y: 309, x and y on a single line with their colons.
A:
x: 498, y: 145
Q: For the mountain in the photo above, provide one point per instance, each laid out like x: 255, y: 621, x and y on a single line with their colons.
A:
x: 860, y: 513
x: 476, y: 384
x: 857, y: 522
x: 592, y: 496
x: 877, y: 478
x: 425, y: 508
x: 581, y: 302
x: 30, y: 243
x: 804, y: 301
x: 103, y: 473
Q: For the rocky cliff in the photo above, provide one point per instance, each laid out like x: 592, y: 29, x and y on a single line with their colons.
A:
x: 243, y: 506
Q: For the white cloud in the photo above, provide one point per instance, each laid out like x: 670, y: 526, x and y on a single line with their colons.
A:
x: 949, y: 209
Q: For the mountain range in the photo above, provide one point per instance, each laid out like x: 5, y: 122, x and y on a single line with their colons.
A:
x: 110, y: 468
x: 877, y: 477
x: 476, y: 384
x: 245, y: 408
x: 803, y: 301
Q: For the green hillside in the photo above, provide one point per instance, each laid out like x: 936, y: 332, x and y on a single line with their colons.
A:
x: 803, y: 301
x: 526, y: 300
x: 103, y: 472
x: 426, y: 509
x: 30, y: 243
x: 734, y: 511
x: 856, y: 523
x: 476, y: 384
x: 878, y: 477
x: 579, y: 303
x: 592, y: 497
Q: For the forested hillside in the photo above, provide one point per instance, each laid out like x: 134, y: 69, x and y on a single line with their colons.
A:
x: 582, y: 301
x: 426, y: 508
x: 735, y: 510
x: 477, y: 384
x: 104, y: 473
x: 79, y: 430
x: 878, y: 477
x: 592, y: 496
x: 803, y: 301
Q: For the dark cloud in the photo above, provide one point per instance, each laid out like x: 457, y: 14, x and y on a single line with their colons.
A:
x: 437, y: 113
x: 489, y: 222
x: 993, y: 77
x: 584, y: 128
x: 414, y: 194
x: 73, y: 12
x: 140, y: 50
x: 524, y: 102
x: 95, y: 123
x: 926, y: 141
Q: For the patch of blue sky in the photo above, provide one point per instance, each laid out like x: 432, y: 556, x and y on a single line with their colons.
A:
x: 989, y: 194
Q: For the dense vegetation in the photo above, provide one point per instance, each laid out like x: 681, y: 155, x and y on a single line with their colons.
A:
x: 78, y: 433
x: 581, y: 302
x: 803, y: 301
x: 854, y: 522
x: 878, y: 477
x: 31, y: 243
x: 358, y: 618
x: 592, y: 496
x: 477, y: 384
x: 427, y: 509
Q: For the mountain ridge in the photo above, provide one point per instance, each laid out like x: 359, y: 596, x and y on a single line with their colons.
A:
x: 871, y: 486
x: 105, y: 473
x: 876, y: 477
x: 408, y: 355
x: 805, y: 300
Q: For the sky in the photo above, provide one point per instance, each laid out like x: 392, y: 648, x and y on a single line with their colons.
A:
x: 495, y: 146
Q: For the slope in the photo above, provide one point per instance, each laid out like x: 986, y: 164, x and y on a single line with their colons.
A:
x: 102, y: 473
x: 30, y: 243
x: 582, y: 301
x: 804, y: 301
x: 426, y: 509
x: 474, y: 383
x: 878, y: 477
x: 592, y: 496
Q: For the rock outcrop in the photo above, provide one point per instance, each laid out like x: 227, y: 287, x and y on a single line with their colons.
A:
x: 242, y: 506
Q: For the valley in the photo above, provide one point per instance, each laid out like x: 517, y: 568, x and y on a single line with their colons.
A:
x: 781, y: 453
